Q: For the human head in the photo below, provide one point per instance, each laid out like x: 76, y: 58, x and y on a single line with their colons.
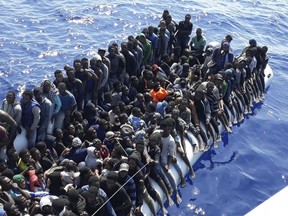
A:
x: 11, y: 209
x: 124, y: 47
x: 46, y: 205
x: 168, y: 125
x: 187, y: 17
x: 111, y: 179
x: 225, y: 47
x: 59, y: 75
x: 123, y: 170
x: 210, y: 87
x: 198, y: 32
x: 10, y: 97
x: 77, y: 65
x: 154, y: 139
x: 62, y: 88
x: 22, y: 202
x: 38, y: 94
x: 252, y: 43
x: 27, y: 97
x: 20, y: 181
x: 228, y: 38
x: 35, y: 153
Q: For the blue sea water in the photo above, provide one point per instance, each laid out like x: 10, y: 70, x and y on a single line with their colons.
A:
x: 37, y: 37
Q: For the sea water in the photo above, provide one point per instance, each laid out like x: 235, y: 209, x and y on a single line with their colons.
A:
x: 38, y: 36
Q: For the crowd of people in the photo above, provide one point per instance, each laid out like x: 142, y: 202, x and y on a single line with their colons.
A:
x: 103, y: 128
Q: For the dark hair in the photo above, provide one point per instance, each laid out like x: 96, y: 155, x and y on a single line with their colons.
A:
x: 167, y: 121
x: 11, y: 92
x: 28, y: 93
x: 57, y: 72
x: 37, y: 90
x: 112, y: 175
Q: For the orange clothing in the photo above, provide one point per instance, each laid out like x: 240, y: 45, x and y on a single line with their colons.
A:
x: 159, y: 95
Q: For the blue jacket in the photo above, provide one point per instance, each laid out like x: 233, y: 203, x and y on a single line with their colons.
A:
x: 27, y: 115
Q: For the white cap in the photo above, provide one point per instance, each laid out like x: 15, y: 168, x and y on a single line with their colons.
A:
x: 124, y: 167
x: 76, y: 142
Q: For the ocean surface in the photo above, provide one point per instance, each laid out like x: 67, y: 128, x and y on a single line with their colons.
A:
x: 39, y: 36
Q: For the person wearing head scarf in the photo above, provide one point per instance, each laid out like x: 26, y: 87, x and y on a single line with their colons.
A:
x: 93, y: 158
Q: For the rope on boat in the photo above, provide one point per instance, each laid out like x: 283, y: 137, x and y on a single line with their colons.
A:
x: 119, y: 190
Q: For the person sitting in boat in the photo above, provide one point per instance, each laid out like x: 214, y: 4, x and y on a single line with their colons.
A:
x: 228, y: 38
x: 197, y: 45
x: 156, y: 171
x: 13, y: 160
x: 219, y: 91
x: 130, y: 187
x: 178, y: 133
x: 149, y: 192
x: 120, y: 201
x: 12, y: 107
x: 186, y: 114
x: 220, y: 58
x: 168, y: 153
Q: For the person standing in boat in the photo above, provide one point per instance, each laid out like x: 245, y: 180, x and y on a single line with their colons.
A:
x: 69, y: 105
x: 45, y: 115
x: 8, y: 130
x: 12, y: 107
x: 30, y: 116
x: 183, y: 31
x: 75, y: 86
x: 162, y: 44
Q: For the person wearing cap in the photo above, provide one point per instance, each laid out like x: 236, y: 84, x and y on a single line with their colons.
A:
x: 46, y: 205
x: 130, y: 186
x: 77, y: 153
x: 183, y: 31
x: 105, y: 60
